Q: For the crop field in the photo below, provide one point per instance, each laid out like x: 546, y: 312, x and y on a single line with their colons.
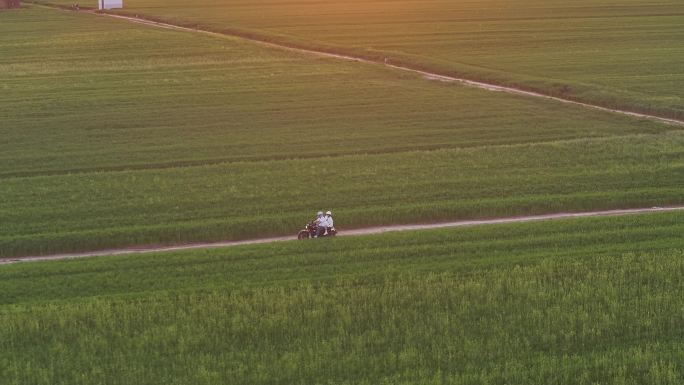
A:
x: 243, y: 200
x: 578, y: 301
x: 116, y: 134
x: 618, y: 53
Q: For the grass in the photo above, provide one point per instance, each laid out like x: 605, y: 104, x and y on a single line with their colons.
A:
x: 116, y: 134
x: 242, y: 200
x: 617, y: 53
x: 82, y: 93
x: 584, y: 301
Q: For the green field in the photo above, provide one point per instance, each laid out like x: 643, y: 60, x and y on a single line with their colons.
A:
x: 590, y: 301
x: 116, y: 134
x: 617, y: 53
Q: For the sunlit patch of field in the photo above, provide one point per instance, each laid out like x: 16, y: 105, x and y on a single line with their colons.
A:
x: 83, y: 93
x: 578, y: 301
x: 617, y: 53
x: 116, y: 134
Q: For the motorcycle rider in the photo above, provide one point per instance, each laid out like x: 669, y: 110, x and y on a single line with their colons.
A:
x: 317, y: 222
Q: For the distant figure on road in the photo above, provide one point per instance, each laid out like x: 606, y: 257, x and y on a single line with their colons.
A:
x: 386, y: 61
x: 325, y: 224
x: 320, y: 227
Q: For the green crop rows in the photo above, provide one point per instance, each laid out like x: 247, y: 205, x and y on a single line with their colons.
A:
x: 116, y: 134
x: 233, y: 201
x: 617, y: 53
x: 580, y: 301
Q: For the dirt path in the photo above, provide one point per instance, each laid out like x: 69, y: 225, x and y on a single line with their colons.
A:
x: 346, y: 233
x: 426, y: 74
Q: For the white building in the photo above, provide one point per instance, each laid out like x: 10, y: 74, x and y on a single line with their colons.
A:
x: 109, y: 4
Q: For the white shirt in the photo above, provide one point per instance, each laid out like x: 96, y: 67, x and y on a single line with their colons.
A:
x: 322, y: 222
x: 329, y: 221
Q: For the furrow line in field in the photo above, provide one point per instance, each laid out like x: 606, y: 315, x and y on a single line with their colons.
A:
x: 428, y: 75
x: 352, y: 232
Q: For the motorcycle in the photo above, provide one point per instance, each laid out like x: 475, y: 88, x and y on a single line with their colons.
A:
x: 309, y: 231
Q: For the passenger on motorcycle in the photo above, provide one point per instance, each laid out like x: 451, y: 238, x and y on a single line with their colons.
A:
x: 329, y: 218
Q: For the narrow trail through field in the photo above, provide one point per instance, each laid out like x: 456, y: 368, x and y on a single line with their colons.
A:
x: 347, y: 233
x: 425, y: 74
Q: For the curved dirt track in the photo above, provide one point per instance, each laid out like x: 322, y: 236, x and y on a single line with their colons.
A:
x: 425, y: 74
x: 343, y: 233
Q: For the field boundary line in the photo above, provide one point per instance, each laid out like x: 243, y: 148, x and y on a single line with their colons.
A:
x: 426, y: 74
x: 349, y: 233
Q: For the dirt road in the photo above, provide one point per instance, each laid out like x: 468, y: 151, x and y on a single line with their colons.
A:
x: 344, y: 233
